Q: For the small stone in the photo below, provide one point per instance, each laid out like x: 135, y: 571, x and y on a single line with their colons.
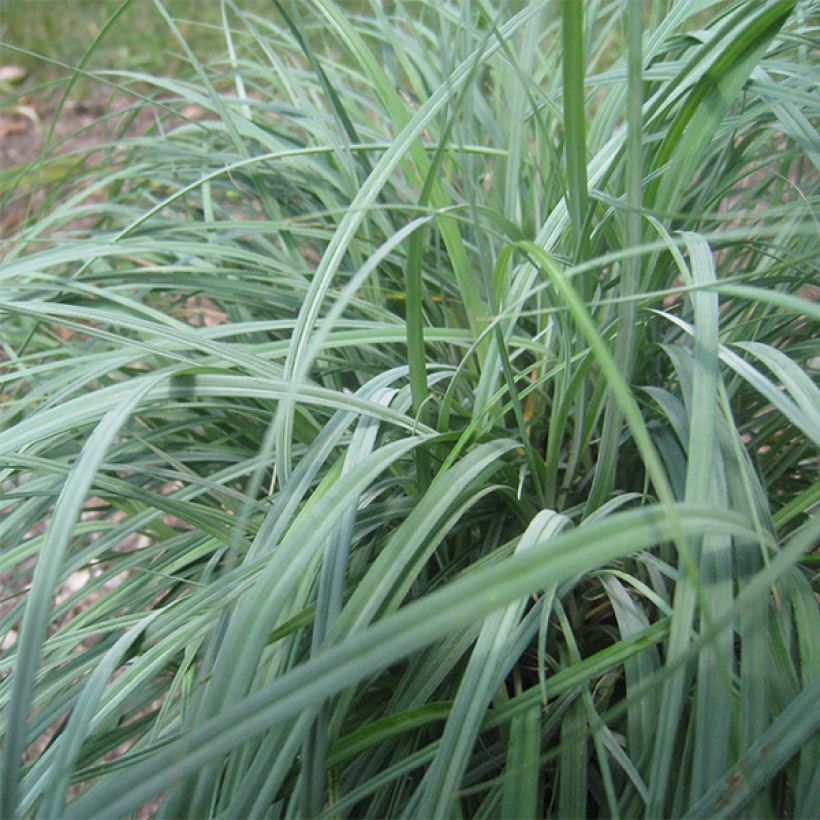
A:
x: 12, y: 74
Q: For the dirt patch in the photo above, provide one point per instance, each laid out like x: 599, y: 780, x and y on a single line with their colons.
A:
x: 81, y: 126
x: 32, y: 128
x: 23, y: 129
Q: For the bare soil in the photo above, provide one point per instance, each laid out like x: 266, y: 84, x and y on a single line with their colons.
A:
x: 81, y: 126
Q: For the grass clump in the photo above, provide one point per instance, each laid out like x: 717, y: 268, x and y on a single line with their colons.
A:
x: 425, y: 428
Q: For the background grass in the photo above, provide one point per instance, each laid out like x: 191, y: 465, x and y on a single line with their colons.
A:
x: 63, y: 29
x: 427, y: 427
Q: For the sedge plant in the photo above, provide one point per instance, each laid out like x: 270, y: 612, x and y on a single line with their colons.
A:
x: 419, y: 419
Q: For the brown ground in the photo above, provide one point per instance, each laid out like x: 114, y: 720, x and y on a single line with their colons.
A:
x: 23, y: 129
x: 82, y: 124
x: 24, y: 126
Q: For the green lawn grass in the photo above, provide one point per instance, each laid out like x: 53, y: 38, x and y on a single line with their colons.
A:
x: 63, y: 30
x: 426, y: 428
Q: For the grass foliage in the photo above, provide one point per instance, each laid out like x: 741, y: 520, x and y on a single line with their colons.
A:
x: 428, y: 427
